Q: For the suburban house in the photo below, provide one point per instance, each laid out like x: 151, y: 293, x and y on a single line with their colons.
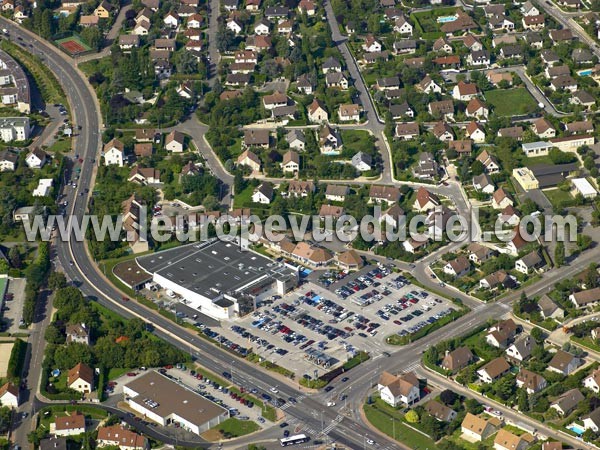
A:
x: 501, y: 199
x: 458, y: 267
x: 296, y: 140
x: 465, y: 91
x: 543, y: 128
x: 78, y: 333
x: 362, y: 161
x: 478, y: 253
x: 263, y: 193
x: 529, y: 262
x: 592, y: 421
x: 114, y: 152
x: 498, y: 279
x: 36, y: 158
x: 440, y: 411
x: 69, y: 425
x: 457, y: 359
x: 477, y: 429
x: 9, y: 395
x: 520, y: 350
x: 398, y: 389
x: 502, y: 333
x: 530, y: 381
x: 175, y: 141
x: 384, y: 194
x: 489, y: 161
x: 567, y: 402
x: 563, y: 363
x: 336, y: 192
x: 505, y: 440
x: 407, y: 131
x: 549, y: 309
x: 317, y: 112
x: 81, y: 378
x: 591, y: 382
x: 118, y: 436
x: 290, y: 162
x: 493, y: 370
x: 587, y: 298
x: 349, y: 112
x: 483, y: 183
x: 249, y: 158
x: 425, y: 201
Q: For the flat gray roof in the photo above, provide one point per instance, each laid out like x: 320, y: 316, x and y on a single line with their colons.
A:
x: 164, y: 397
x: 210, y: 268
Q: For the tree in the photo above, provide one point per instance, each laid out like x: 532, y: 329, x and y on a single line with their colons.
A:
x: 14, y: 256
x: 583, y: 242
x: 53, y: 335
x: 523, y: 401
x: 448, y: 397
x: 57, y: 280
x: 210, y: 203
x: 411, y: 416
x: 477, y: 168
x: 537, y: 334
x: 559, y: 254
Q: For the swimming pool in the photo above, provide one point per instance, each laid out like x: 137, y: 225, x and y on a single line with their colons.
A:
x: 445, y: 19
x: 585, y: 72
x: 577, y: 429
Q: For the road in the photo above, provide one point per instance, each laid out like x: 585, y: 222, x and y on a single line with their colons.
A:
x: 84, y: 273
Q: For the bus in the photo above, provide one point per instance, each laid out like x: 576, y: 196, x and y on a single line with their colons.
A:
x: 293, y: 440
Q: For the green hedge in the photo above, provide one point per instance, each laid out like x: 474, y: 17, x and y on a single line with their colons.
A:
x: 16, y: 361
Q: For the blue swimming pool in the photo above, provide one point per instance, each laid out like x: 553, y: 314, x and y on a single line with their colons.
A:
x: 584, y: 72
x: 445, y: 19
x: 577, y: 429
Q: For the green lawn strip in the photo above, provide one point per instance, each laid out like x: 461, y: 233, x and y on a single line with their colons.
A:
x: 115, y: 373
x: 233, y: 427
x: 395, y: 339
x: 382, y: 420
x: 49, y: 86
x: 508, y: 102
x: 586, y: 342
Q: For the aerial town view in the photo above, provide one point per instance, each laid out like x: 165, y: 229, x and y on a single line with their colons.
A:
x: 323, y: 224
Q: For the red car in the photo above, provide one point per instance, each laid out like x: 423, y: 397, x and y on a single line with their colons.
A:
x: 131, y: 374
x: 125, y: 299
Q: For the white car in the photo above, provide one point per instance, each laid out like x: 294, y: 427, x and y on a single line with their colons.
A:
x: 330, y: 403
x: 274, y: 390
x: 370, y: 442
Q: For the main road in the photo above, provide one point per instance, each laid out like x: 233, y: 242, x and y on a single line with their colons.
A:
x: 83, y: 272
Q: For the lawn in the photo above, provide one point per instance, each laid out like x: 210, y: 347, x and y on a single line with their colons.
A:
x: 510, y: 102
x: 382, y: 420
x: 113, y: 374
x: 537, y: 160
x: 357, y: 141
x: 244, y: 198
x: 233, y: 427
x: 559, y: 198
x: 427, y: 20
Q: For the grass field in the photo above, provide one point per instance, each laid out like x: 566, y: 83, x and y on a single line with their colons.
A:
x: 387, y: 420
x: 234, y: 427
x: 559, y: 199
x: 510, y: 102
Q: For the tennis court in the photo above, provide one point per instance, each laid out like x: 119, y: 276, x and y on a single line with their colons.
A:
x: 73, y: 45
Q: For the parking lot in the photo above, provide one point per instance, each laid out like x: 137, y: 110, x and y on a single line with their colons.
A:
x: 209, y: 389
x: 12, y: 308
x: 317, y: 328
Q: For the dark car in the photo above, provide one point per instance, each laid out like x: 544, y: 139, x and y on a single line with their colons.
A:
x: 345, y: 379
x: 329, y: 388
x: 283, y: 424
